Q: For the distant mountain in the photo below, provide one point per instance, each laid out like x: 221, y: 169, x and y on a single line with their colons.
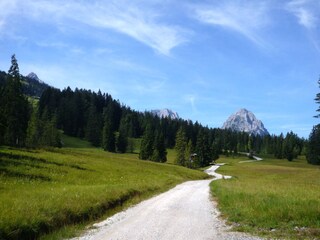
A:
x: 165, y: 113
x: 245, y: 121
x: 31, y: 84
x: 34, y: 77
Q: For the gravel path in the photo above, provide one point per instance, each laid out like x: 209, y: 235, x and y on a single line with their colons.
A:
x: 184, y: 212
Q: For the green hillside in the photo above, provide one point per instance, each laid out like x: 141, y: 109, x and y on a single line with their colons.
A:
x: 45, y: 190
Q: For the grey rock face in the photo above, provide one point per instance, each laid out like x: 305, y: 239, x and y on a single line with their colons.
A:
x: 245, y: 121
x: 34, y: 76
x: 165, y: 113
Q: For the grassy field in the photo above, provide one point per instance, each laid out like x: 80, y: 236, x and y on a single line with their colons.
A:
x: 273, y: 198
x: 45, y: 190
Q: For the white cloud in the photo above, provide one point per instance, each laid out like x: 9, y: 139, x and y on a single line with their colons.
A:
x: 7, y: 8
x: 130, y: 18
x: 306, y: 11
x: 243, y: 17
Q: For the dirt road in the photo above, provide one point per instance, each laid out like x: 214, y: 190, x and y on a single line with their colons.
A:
x: 184, y: 212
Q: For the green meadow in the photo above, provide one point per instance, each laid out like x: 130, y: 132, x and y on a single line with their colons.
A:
x: 273, y: 198
x: 46, y: 190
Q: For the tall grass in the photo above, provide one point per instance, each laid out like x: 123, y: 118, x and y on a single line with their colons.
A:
x: 276, y: 198
x: 44, y: 190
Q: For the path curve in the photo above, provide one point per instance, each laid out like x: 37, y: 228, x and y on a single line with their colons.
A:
x: 182, y: 213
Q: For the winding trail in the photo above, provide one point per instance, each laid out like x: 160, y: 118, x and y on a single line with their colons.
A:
x: 182, y: 213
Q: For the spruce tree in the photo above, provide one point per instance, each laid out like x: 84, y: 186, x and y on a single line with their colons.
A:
x: 203, y: 148
x: 180, y: 147
x: 313, y: 150
x: 122, y: 142
x: 15, y: 108
x: 159, y: 149
x: 93, y: 128
x: 188, y: 152
x: 108, y: 137
x: 33, y: 130
x: 146, y: 149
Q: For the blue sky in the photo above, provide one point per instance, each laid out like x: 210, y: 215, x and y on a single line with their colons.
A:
x: 202, y: 59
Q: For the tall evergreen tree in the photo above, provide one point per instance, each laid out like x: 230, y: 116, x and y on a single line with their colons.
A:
x: 33, y: 130
x: 108, y: 137
x: 181, y: 144
x: 146, y: 149
x: 159, y: 149
x: 50, y: 135
x: 93, y: 128
x: 122, y: 142
x: 313, y: 151
x: 188, y: 152
x: 203, y: 148
x: 15, y: 108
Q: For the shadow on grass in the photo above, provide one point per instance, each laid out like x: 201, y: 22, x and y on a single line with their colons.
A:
x: 10, y: 173
x: 22, y: 161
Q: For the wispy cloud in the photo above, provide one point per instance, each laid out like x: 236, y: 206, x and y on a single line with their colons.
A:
x: 242, y: 17
x: 191, y: 99
x: 135, y: 20
x: 306, y: 11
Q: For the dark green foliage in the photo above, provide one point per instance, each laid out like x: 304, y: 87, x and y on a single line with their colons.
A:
x: 42, y: 132
x: 122, y: 142
x: 313, y: 152
x: 181, y: 147
x: 159, y: 149
x: 33, y: 130
x: 108, y: 137
x: 93, y: 128
x: 203, y: 148
x: 14, y: 108
x: 146, y: 149
x: 30, y: 87
x: 291, y: 146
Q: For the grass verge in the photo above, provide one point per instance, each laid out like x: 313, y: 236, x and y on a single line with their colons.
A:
x: 46, y: 190
x: 273, y: 198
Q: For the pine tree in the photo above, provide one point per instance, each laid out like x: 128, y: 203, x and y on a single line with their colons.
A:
x: 188, y: 152
x: 180, y: 147
x: 122, y: 142
x: 159, y: 149
x: 146, y: 149
x: 313, y: 151
x: 50, y: 135
x: 33, y: 130
x: 108, y: 137
x: 15, y: 108
x: 203, y: 148
x: 93, y: 128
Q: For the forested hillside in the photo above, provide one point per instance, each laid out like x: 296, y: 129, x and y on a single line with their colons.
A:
x: 107, y: 123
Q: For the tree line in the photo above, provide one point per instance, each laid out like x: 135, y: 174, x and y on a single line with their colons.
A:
x: 107, y: 123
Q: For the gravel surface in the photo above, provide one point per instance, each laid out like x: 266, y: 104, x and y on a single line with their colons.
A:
x: 184, y: 212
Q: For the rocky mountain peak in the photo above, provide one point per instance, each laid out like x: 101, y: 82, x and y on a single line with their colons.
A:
x: 245, y: 121
x: 34, y: 76
x: 165, y: 113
